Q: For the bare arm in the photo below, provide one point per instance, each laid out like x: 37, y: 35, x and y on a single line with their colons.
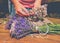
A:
x: 19, y: 8
x: 16, y: 2
x: 37, y: 3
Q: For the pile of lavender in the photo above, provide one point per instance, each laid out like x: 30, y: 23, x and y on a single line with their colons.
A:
x: 21, y: 26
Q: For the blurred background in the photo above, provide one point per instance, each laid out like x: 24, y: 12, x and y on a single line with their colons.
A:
x: 53, y: 8
x: 53, y: 12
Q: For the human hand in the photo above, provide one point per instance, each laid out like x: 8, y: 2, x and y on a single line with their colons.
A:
x: 21, y: 10
x: 37, y: 4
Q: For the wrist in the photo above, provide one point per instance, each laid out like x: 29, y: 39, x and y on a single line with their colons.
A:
x: 16, y: 2
x: 37, y: 3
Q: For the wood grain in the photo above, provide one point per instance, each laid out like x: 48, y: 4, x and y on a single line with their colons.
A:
x: 50, y: 38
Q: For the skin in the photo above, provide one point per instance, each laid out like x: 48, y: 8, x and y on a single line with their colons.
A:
x: 21, y: 10
x: 37, y: 4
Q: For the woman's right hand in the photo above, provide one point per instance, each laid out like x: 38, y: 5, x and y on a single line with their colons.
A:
x: 20, y: 9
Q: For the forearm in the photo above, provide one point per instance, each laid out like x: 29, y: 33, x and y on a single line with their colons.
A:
x: 38, y: 2
x: 15, y: 2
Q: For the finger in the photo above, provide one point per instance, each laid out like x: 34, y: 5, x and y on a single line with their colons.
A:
x: 19, y: 13
x: 31, y: 12
x: 26, y: 11
x: 22, y: 13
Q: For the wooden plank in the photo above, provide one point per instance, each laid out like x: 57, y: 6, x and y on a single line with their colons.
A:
x: 50, y: 38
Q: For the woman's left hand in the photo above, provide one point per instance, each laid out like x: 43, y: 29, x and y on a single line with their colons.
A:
x: 37, y: 4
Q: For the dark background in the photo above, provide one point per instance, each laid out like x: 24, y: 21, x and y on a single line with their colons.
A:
x: 3, y: 8
x: 54, y: 9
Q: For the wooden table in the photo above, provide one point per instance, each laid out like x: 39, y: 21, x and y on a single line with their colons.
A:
x: 50, y: 38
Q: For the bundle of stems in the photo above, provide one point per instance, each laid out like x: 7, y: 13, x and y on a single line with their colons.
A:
x: 49, y: 29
